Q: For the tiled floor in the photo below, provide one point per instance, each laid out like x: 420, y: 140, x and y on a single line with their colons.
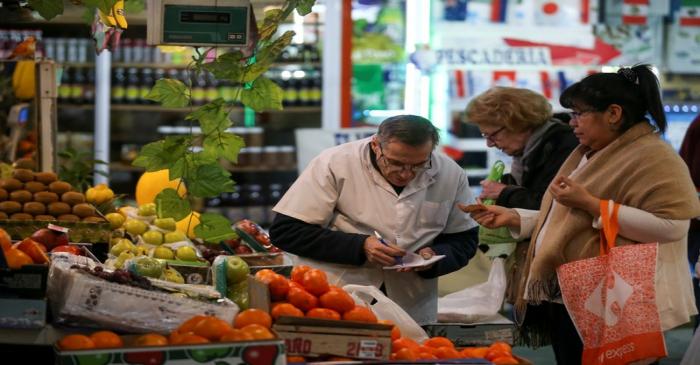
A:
x: 677, y: 341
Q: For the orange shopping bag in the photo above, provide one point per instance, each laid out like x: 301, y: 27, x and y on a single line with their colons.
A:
x: 612, y: 301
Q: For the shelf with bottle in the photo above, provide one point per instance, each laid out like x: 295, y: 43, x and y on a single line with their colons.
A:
x: 252, y: 200
x: 125, y: 167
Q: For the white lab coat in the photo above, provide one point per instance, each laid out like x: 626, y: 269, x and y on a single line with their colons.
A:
x: 341, y: 190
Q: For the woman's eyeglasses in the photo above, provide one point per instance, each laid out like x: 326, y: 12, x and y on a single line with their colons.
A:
x: 492, y: 136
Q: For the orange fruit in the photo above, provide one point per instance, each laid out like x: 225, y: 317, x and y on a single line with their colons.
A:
x: 235, y: 335
x: 151, y: 339
x: 406, y: 354
x: 427, y: 356
x: 479, y: 352
x: 279, y: 287
x: 338, y: 300
x: 505, y: 360
x: 6, y: 241
x: 302, y: 299
x: 106, y: 339
x: 190, y: 339
x: 292, y: 359
x: 16, y: 258
x: 500, y: 345
x: 76, y: 342
x: 438, y: 342
x: 315, y: 282
x: 298, y: 273
x: 395, y: 331
x: 265, y: 275
x: 324, y: 313
x: 468, y: 353
x: 492, y: 354
x: 258, y: 332
x: 188, y: 325
x: 360, y: 314
x: 404, y: 342
x: 211, y: 328
x: 252, y: 316
x: 33, y: 250
x: 285, y: 310
x: 447, y: 352
x: 175, y: 336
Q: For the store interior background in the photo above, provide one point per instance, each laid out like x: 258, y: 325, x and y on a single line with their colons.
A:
x: 426, y: 57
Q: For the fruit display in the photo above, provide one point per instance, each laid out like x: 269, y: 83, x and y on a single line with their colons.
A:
x: 22, y: 253
x: 230, y: 278
x: 253, y: 236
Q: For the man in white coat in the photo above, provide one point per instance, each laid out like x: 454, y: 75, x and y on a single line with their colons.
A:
x: 393, y: 183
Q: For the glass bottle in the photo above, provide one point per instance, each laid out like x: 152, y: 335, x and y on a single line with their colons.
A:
x: 118, y: 85
x: 132, y: 86
x: 146, y: 85
x: 64, y: 89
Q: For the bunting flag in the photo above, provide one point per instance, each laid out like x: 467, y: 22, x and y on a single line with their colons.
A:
x: 546, y: 84
x: 635, y: 12
x: 690, y: 13
x: 558, y: 12
x: 498, y: 10
x: 504, y: 78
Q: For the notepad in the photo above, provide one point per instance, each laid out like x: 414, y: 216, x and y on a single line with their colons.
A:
x: 414, y: 260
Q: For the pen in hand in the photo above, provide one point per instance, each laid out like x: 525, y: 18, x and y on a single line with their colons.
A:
x: 399, y: 259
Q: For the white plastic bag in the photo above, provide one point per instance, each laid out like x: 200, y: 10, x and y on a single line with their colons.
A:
x: 475, y: 303
x: 385, y: 308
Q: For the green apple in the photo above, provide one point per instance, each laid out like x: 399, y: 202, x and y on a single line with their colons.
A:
x: 148, y: 266
x: 153, y: 237
x: 165, y: 253
x: 115, y: 220
x: 167, y: 224
x: 125, y: 255
x: 237, y: 270
x: 175, y: 236
x: 173, y: 275
x: 146, y: 210
x: 238, y: 293
x: 120, y: 245
x: 135, y: 227
x: 186, y: 253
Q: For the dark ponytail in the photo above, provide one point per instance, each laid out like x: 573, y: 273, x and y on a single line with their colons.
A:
x: 634, y: 89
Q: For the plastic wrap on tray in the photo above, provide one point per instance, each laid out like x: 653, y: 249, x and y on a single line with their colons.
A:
x: 80, y: 299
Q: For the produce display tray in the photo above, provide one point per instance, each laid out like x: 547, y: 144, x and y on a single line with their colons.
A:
x: 86, y: 232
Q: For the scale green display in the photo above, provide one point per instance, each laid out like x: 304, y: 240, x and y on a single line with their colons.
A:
x: 209, y: 23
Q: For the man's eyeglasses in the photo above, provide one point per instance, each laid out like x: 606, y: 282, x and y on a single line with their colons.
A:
x: 492, y: 136
x: 396, y: 166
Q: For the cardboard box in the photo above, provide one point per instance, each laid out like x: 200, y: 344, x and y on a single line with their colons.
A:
x: 315, y: 337
x: 22, y: 313
x: 257, y: 352
x: 473, y: 334
x: 29, y: 282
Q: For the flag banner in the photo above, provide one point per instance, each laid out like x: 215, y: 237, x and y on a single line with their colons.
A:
x: 635, y: 12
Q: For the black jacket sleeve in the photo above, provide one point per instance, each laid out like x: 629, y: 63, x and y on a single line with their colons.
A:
x: 458, y: 249
x: 318, y: 243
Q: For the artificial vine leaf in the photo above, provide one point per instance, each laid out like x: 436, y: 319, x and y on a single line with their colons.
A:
x: 161, y: 154
x: 268, y: 26
x: 204, y: 157
x: 267, y: 56
x: 304, y: 6
x: 134, y: 6
x: 47, y: 9
x: 171, y: 93
x: 209, y: 181
x: 227, y: 66
x: 264, y: 95
x: 212, y: 117
x: 169, y: 204
x: 214, y: 227
x: 226, y: 145
x: 104, y: 5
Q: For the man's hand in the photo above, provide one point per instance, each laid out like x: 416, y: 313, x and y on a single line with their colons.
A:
x: 573, y: 195
x: 426, y: 253
x: 381, y: 254
x: 491, y: 189
x: 492, y: 216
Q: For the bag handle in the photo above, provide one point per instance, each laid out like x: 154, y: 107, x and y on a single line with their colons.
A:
x: 611, y: 226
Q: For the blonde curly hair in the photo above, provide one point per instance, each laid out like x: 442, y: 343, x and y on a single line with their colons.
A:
x: 518, y: 110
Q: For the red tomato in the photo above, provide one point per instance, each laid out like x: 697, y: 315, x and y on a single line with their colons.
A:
x: 75, y: 250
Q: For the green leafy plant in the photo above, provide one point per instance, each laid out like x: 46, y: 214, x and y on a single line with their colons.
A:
x: 199, y: 167
x: 78, y: 168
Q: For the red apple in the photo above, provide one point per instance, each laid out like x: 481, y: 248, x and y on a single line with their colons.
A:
x: 46, y: 237
x: 242, y: 249
x: 233, y: 243
x: 273, y: 249
x: 75, y: 250
x: 263, y: 239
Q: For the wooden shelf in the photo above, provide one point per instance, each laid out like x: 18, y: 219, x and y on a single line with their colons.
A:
x: 182, y: 66
x: 158, y: 108
x: 123, y: 167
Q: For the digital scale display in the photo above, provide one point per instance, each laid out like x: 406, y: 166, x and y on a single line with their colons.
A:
x: 204, y: 17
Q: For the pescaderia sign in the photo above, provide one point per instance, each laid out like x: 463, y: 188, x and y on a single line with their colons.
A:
x: 494, y: 56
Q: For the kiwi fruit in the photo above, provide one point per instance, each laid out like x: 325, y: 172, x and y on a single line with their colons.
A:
x: 45, y: 197
x: 34, y: 208
x: 24, y: 163
x: 10, y: 207
x: 93, y: 219
x: 22, y: 217
x: 68, y: 218
x: 3, y: 195
x: 60, y: 187
x: 83, y: 210
x: 34, y: 186
x: 23, y: 175
x: 73, y: 198
x: 59, y: 208
x: 3, y: 215
x: 21, y: 196
x: 44, y: 217
x: 45, y: 177
x: 11, y: 184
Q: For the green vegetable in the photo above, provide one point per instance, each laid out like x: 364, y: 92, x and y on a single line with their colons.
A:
x: 495, y: 174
